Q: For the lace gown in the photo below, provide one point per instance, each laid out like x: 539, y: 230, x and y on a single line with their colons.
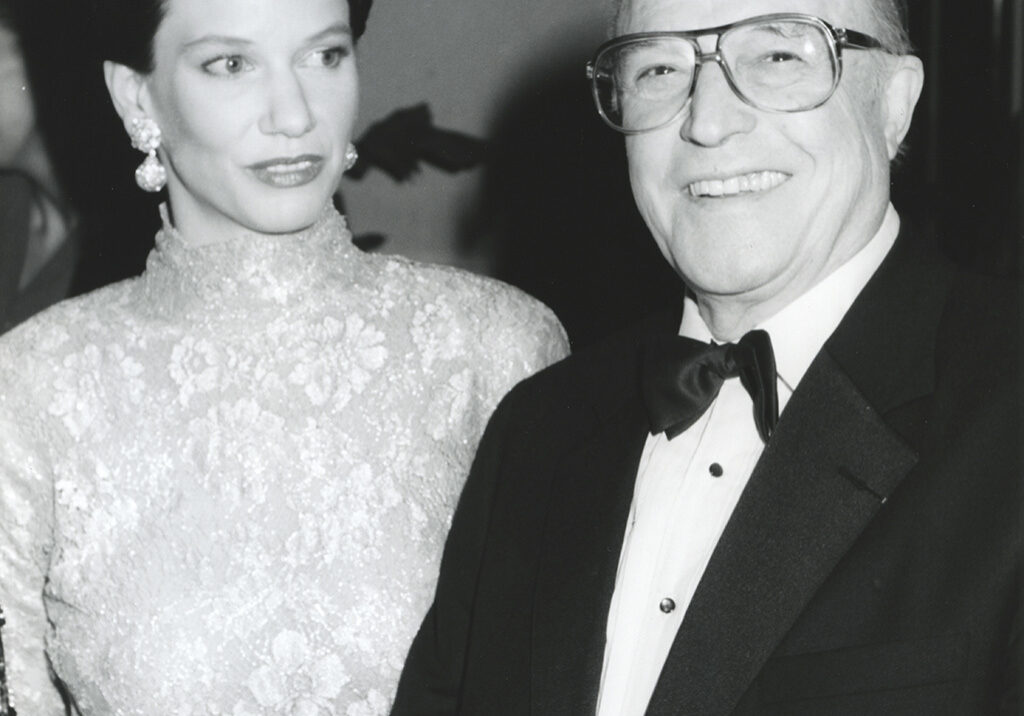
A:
x: 224, y: 485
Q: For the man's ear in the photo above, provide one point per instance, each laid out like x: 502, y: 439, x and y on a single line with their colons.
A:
x: 902, y: 90
x: 128, y: 91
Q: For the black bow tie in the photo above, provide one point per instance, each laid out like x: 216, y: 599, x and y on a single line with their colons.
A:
x: 682, y: 377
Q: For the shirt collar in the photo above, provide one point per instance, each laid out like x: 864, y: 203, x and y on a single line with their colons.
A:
x: 800, y: 329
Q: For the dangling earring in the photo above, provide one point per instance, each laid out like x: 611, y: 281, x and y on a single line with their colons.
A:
x: 145, y: 135
x: 351, y: 156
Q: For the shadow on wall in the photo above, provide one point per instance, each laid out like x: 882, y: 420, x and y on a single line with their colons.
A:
x: 557, y: 214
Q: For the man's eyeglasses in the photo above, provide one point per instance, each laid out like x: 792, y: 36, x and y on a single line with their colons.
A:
x: 780, y: 62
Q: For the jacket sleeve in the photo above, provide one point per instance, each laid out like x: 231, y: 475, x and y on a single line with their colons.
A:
x: 431, y: 680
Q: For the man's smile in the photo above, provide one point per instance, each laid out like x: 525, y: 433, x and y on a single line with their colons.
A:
x: 740, y: 184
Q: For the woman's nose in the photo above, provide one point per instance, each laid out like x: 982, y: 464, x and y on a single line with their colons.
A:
x: 287, y: 111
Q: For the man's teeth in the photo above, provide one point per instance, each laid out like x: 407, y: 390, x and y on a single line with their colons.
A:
x: 755, y: 181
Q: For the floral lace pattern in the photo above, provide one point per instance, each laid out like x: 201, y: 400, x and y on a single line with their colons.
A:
x: 224, y: 485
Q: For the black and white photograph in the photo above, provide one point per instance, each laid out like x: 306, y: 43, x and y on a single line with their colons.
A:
x: 511, y: 357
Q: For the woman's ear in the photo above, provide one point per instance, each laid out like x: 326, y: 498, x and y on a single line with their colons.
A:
x: 127, y: 91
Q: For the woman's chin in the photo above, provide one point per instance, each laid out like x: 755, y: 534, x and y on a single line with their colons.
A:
x: 224, y: 209
x: 287, y: 212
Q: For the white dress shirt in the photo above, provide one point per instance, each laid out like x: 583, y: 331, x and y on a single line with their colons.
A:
x: 687, y: 488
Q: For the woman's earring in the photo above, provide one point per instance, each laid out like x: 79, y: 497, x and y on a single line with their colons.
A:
x: 351, y: 156
x: 145, y: 135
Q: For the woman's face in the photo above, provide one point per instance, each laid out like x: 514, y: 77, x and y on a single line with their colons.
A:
x: 17, y: 116
x: 256, y: 100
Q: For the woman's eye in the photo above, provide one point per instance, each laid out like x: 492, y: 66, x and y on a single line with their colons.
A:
x: 329, y: 57
x: 227, y: 65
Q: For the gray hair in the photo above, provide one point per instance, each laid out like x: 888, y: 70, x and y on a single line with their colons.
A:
x: 890, y: 18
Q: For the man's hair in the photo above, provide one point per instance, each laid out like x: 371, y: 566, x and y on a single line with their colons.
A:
x: 891, y: 23
x: 890, y: 18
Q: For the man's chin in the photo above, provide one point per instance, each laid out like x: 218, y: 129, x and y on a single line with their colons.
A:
x: 737, y: 264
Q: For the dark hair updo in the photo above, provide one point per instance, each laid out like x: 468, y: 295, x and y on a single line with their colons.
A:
x: 124, y: 29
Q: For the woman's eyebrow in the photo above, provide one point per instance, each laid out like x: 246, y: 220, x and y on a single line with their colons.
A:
x: 338, y: 28
x: 218, y: 40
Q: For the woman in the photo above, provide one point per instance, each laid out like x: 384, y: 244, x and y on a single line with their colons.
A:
x: 38, y: 236
x: 224, y: 485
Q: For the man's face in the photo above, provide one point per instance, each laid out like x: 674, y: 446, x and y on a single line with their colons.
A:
x: 755, y: 206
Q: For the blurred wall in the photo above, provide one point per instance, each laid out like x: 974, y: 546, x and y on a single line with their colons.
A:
x: 963, y: 178
x: 466, y: 58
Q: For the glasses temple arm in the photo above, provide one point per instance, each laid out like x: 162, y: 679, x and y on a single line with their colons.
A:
x: 856, y: 40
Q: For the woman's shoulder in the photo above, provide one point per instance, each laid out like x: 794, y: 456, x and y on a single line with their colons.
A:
x: 499, y: 313
x: 47, y: 338
x: 477, y: 296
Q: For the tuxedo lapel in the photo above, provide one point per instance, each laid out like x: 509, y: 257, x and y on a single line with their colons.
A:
x: 589, y: 506
x: 828, y: 468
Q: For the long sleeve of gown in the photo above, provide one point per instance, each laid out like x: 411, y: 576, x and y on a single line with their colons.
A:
x: 25, y: 529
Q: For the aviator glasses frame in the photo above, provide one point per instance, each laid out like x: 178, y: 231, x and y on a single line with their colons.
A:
x: 839, y: 39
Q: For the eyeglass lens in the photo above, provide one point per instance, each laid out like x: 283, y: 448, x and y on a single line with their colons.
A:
x: 787, y: 65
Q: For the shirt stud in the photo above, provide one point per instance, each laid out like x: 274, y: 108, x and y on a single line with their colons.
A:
x: 667, y: 605
x: 716, y: 470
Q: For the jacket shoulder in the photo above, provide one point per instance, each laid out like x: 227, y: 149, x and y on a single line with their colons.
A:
x: 574, y: 395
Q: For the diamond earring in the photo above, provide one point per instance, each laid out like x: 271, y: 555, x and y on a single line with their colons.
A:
x: 145, y: 135
x: 351, y: 156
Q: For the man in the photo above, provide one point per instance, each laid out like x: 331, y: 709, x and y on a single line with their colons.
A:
x: 630, y: 543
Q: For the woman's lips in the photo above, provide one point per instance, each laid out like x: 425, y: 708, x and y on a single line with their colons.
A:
x: 287, y: 172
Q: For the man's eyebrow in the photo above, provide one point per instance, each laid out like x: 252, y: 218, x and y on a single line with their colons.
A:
x: 780, y: 29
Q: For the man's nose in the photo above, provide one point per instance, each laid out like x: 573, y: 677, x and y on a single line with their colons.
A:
x: 715, y: 113
x: 287, y: 111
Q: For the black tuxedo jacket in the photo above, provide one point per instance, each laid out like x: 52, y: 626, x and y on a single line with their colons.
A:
x: 872, y: 565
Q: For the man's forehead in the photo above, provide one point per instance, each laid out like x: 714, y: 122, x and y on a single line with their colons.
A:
x: 657, y: 15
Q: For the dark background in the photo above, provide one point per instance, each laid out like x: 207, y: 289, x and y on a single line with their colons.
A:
x: 556, y: 204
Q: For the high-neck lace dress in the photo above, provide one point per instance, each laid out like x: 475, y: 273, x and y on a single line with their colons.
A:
x: 225, y: 485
